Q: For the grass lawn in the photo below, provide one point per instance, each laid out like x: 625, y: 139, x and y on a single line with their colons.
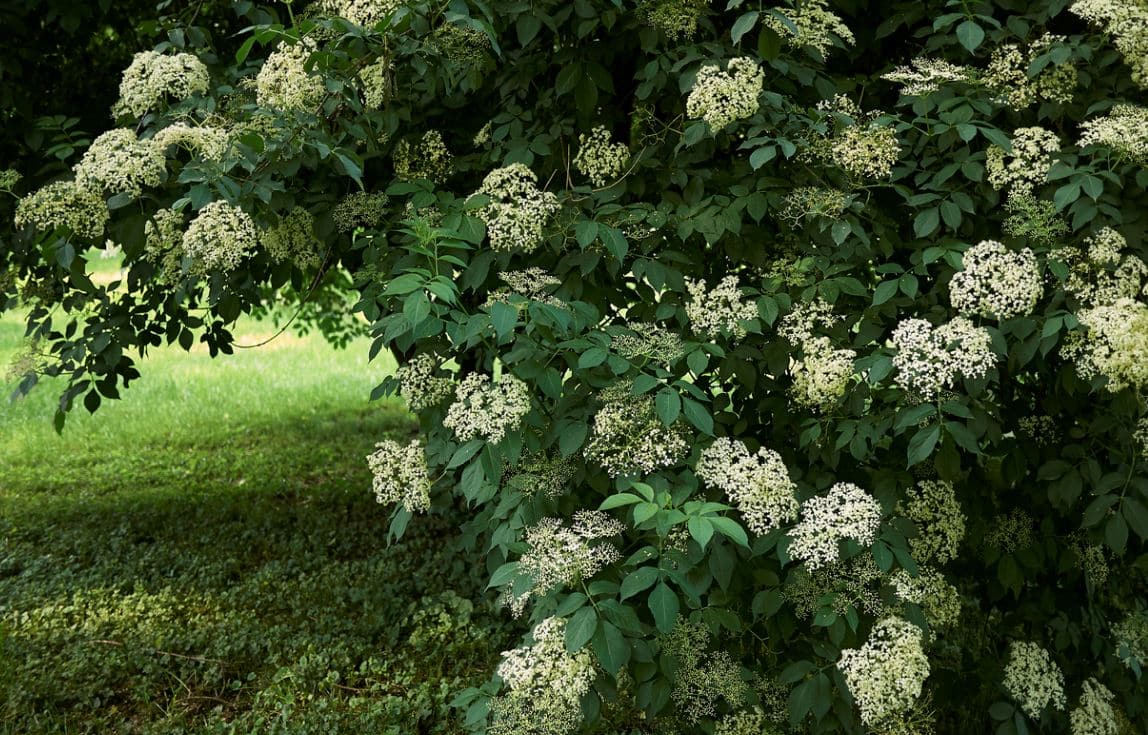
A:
x: 206, y: 556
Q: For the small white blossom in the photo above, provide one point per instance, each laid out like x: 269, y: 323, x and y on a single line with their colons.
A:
x: 995, y: 282
x: 517, y: 211
x: 846, y: 511
x: 1094, y: 714
x: 119, y: 162
x: 823, y: 375
x: 220, y: 236
x: 939, y: 600
x: 1115, y: 346
x: 1027, y: 165
x: 599, y: 158
x: 152, y: 77
x: 401, y: 475
x: 886, y: 675
x: 487, y: 410
x: 211, y: 143
x: 419, y: 385
x: 720, y: 97
x: 817, y: 26
x: 926, y: 75
x: 720, y: 310
x: 64, y: 204
x: 933, y: 507
x: 428, y: 159
x: 283, y: 82
x: 629, y: 439
x: 1124, y: 129
x: 931, y: 358
x: 293, y: 240
x: 1033, y: 679
x: 758, y: 484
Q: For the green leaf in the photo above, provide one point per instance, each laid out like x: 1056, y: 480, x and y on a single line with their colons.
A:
x: 592, y: 357
x: 611, y: 647
x: 697, y: 415
x: 970, y: 35
x: 637, y: 581
x: 884, y: 292
x: 1137, y: 516
x: 580, y: 628
x: 731, y: 529
x: 572, y: 437
x: 922, y: 444
x: 1116, y: 533
x: 664, y: 605
x: 618, y: 500
x: 926, y: 222
x: 700, y: 529
x: 668, y: 405
x: 503, y: 317
x: 743, y: 25
x: 527, y: 27
x: 586, y: 232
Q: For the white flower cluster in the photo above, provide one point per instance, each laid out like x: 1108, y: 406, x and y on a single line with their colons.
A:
x: 428, y: 159
x: 747, y: 722
x: 1115, y: 345
x: 926, y: 75
x: 1033, y: 679
x: 854, y: 583
x: 546, y: 685
x: 629, y: 439
x: 482, y: 137
x: 823, y: 375
x: 846, y: 511
x: 152, y: 77
x: 360, y: 209
x: 1106, y: 273
x: 376, y: 81
x: 933, y: 507
x: 366, y: 13
x: 220, y: 236
x: 809, y: 202
x: 817, y: 26
x: 210, y: 142
x: 1124, y: 129
x: 939, y: 600
x: 401, y: 475
x: 419, y: 385
x: 1033, y: 219
x: 163, y: 235
x: 487, y: 410
x: 703, y: 676
x: 9, y: 177
x: 1007, y: 75
x: 995, y: 282
x: 119, y: 162
x: 720, y: 310
x: 758, y: 484
x: 931, y: 358
x: 462, y: 45
x: 866, y: 151
x: 1127, y: 22
x: 720, y: 97
x: 886, y: 675
x: 64, y: 204
x: 1094, y: 714
x: 517, y: 211
x: 646, y: 340
x: 599, y: 158
x: 676, y: 18
x: 543, y: 475
x: 1131, y: 638
x: 283, y: 82
x: 1028, y: 164
x: 293, y: 240
x: 558, y: 556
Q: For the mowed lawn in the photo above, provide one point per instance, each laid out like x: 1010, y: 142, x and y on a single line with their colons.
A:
x: 205, y: 555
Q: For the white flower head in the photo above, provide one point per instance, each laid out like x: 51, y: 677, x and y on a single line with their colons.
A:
x: 846, y: 511
x: 996, y: 282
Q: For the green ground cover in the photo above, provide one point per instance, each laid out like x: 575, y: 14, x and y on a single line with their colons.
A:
x: 206, y: 556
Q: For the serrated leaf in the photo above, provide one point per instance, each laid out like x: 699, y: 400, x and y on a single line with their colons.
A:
x: 611, y: 647
x: 668, y: 405
x: 592, y: 357
x: 743, y: 25
x: 700, y: 529
x: 618, y: 500
x: 731, y: 529
x: 638, y: 580
x: 923, y: 442
x: 970, y: 34
x: 698, y: 415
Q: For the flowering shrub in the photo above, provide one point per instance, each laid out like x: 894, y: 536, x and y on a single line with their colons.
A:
x: 787, y: 360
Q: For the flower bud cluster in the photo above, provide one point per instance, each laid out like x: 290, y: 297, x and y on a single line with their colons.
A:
x: 461, y: 44
x: 220, y: 236
x: 9, y: 177
x: 419, y: 385
x: 1033, y: 219
x: 376, y: 82
x: 163, y: 237
x: 933, y: 507
x: 747, y: 722
x: 854, y: 583
x: 758, y: 484
x: 823, y: 375
x: 1094, y: 714
x: 428, y: 159
x: 1106, y: 273
x: 719, y: 311
x: 1027, y: 165
x: 542, y: 475
x: 152, y: 77
x: 487, y: 410
x: 938, y: 600
x: 846, y: 511
x: 886, y: 675
x: 1033, y: 679
x: 678, y: 19
x: 995, y: 282
x: 629, y: 439
x: 817, y: 26
x: 866, y: 151
x: 67, y: 204
x: 720, y: 97
x: 360, y: 209
x: 210, y: 142
x: 283, y: 82
x: 812, y: 202
x: 366, y: 13
x: 401, y: 475
x: 1130, y: 637
x: 293, y: 240
x: 599, y: 158
x: 649, y: 341
x: 703, y: 677
x: 517, y: 211
x: 119, y: 162
x: 1012, y: 532
x: 1007, y: 75
x: 931, y: 358
x: 546, y: 685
